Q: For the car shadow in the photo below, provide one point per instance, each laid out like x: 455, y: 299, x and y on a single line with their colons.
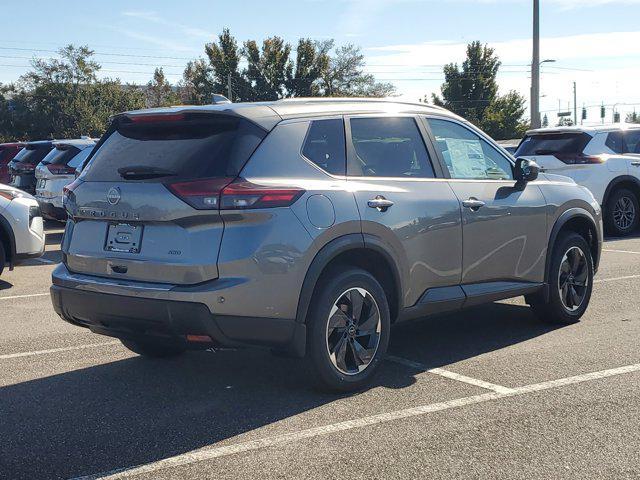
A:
x: 5, y: 285
x: 137, y: 410
x: 53, y: 238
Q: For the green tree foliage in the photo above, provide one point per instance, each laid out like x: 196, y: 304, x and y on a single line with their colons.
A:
x: 268, y: 68
x: 271, y: 73
x: 63, y: 98
x: 159, y: 92
x: 471, y: 91
x: 312, y: 61
x: 632, y: 118
x: 197, y: 85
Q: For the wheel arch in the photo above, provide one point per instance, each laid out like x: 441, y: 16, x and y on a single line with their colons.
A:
x: 577, y: 220
x: 370, y: 254
x: 8, y: 240
x: 623, y: 181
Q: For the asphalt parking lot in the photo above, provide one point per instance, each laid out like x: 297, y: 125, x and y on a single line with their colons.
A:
x: 489, y: 393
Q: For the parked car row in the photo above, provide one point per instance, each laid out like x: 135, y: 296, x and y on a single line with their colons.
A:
x: 43, y: 168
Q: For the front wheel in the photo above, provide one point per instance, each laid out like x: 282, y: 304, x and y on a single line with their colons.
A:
x: 570, y: 282
x: 153, y: 349
x: 348, y: 329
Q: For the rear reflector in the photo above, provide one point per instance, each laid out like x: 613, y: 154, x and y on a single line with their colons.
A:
x: 199, y: 338
x: 223, y: 194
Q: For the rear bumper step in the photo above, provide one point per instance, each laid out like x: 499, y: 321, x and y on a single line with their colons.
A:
x: 171, y: 321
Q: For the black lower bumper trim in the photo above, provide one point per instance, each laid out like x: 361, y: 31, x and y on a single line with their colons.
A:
x: 170, y: 321
x: 52, y: 212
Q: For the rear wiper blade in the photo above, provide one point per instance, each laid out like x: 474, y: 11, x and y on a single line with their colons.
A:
x: 141, y: 172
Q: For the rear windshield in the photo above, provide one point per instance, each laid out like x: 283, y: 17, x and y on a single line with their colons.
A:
x: 31, y: 155
x: 60, y: 155
x: 191, y: 147
x: 552, y: 143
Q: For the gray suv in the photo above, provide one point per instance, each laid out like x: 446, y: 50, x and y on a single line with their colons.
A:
x: 311, y: 226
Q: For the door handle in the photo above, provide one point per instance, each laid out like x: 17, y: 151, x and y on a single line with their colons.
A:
x: 380, y: 203
x: 635, y: 164
x: 473, y: 203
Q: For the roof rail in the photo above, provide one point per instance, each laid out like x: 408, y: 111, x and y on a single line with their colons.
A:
x: 355, y: 100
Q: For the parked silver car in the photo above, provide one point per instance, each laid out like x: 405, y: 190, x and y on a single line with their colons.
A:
x: 310, y: 226
x: 56, y: 170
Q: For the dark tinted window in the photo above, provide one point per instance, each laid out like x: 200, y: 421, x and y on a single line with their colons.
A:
x: 325, y: 146
x: 552, y: 143
x: 467, y: 155
x: 389, y: 147
x: 190, y: 147
x: 624, y: 141
x: 60, y: 155
x: 32, y: 155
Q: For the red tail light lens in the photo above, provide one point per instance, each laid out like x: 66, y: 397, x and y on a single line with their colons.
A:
x: 200, y: 194
x: 223, y: 194
x: 242, y: 194
x: 579, y: 159
x: 68, y: 189
x: 61, y: 169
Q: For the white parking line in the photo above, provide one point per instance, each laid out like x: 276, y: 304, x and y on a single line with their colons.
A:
x: 55, y: 350
x: 620, y: 251
x: 24, y: 296
x: 210, y: 453
x: 615, y: 279
x: 450, y: 375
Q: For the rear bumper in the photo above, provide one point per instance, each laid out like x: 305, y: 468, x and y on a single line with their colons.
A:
x: 50, y: 211
x: 171, y: 321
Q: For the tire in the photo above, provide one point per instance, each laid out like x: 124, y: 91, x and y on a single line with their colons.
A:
x: 356, y: 355
x: 622, y: 213
x: 563, y: 307
x: 153, y: 349
x: 3, y: 257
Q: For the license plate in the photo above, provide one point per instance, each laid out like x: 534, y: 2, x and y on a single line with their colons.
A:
x: 124, y: 237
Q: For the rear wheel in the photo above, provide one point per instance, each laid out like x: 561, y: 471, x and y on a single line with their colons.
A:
x: 570, y: 282
x: 348, y: 329
x: 622, y: 212
x: 153, y: 349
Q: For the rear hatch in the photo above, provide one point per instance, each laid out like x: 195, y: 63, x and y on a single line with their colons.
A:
x: 145, y: 206
x: 55, y: 166
x: 556, y: 150
x: 22, y: 167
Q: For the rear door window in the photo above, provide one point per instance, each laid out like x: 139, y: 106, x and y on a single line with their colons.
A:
x: 632, y: 141
x: 325, y: 145
x: 190, y: 146
x: 553, y: 143
x: 76, y: 161
x: 389, y: 147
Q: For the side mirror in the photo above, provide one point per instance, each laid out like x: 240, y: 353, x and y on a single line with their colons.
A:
x: 526, y: 170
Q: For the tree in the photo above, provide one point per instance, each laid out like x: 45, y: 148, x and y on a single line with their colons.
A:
x: 471, y: 91
x: 312, y: 63
x: 224, y: 58
x: 63, y: 98
x: 159, y: 92
x: 632, y: 117
x: 346, y: 77
x: 268, y: 68
x: 197, y: 85
x: 503, y: 117
x: 545, y: 121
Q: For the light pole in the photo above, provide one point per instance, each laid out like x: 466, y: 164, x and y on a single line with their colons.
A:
x: 535, y: 67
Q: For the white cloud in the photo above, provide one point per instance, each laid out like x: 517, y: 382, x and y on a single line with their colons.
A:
x: 153, y: 17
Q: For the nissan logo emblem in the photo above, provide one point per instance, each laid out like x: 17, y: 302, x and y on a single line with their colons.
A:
x: 113, y: 195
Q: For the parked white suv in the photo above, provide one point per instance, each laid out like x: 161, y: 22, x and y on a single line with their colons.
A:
x: 604, y: 158
x: 21, y: 227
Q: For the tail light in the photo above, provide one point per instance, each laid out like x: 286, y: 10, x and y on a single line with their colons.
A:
x: 225, y: 194
x: 579, y: 159
x: 67, y: 190
x: 61, y: 169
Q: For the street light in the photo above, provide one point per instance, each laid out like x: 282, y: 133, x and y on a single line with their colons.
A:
x: 535, y: 67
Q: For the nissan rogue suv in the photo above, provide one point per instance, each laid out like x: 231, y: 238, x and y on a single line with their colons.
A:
x: 311, y: 226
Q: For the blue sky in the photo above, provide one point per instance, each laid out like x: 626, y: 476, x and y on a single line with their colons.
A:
x: 595, y: 42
